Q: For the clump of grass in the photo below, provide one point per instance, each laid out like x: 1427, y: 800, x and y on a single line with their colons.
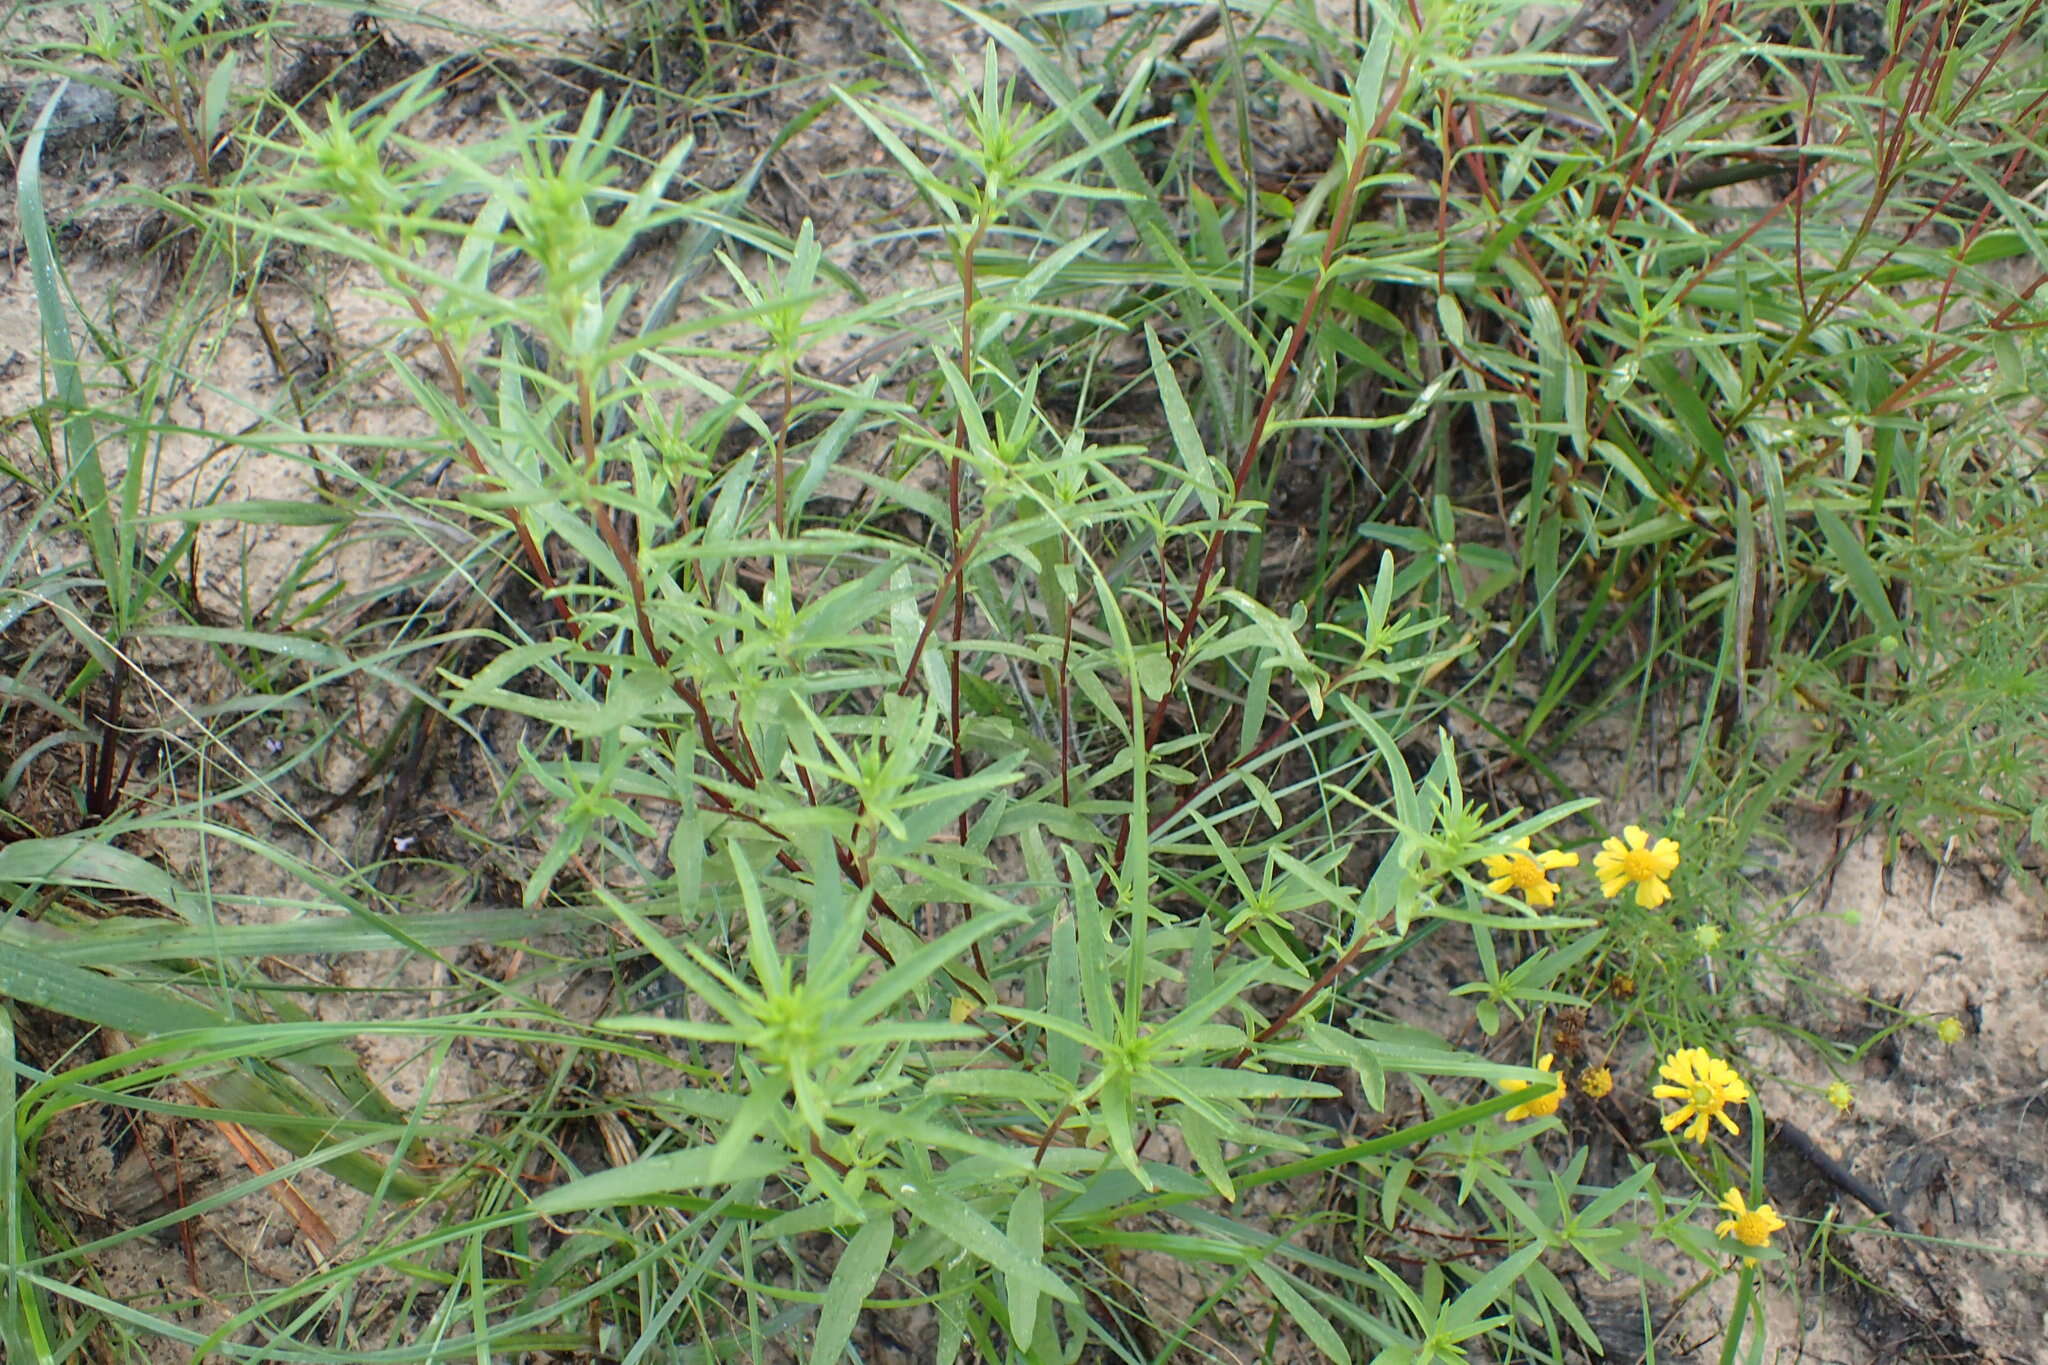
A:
x: 985, y: 858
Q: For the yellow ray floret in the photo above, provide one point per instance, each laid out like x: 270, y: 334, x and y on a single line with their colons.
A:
x: 1633, y: 860
x: 1543, y: 1105
x: 1528, y: 873
x: 1704, y: 1086
x: 1750, y: 1226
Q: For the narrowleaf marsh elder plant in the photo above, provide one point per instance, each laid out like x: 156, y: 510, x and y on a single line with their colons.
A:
x: 1004, y: 871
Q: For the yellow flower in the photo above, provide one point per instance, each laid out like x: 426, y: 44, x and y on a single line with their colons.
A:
x: 1528, y: 874
x: 1751, y: 1226
x: 1543, y: 1105
x: 1840, y: 1096
x: 1648, y: 868
x: 1705, y: 1086
x: 1950, y: 1031
x: 1597, y: 1082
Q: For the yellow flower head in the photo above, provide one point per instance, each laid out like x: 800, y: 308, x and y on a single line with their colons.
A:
x: 1950, y: 1031
x: 1704, y: 1086
x: 1528, y: 873
x: 1637, y: 863
x: 1543, y: 1105
x: 1597, y: 1083
x: 1751, y: 1226
x: 1840, y: 1096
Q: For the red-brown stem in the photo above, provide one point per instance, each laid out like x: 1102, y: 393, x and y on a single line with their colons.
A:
x: 534, y: 558
x: 99, y: 795
x: 1913, y: 381
x: 1886, y: 179
x: 1798, y: 196
x: 1665, y: 84
x: 1340, y: 227
x: 1669, y: 75
x: 2025, y: 24
x: 1475, y: 143
x: 1280, y: 1022
x: 1307, y: 997
x: 744, y: 773
x: 1446, y: 160
x: 629, y: 565
x: 1453, y: 147
x: 967, y: 300
x: 1066, y: 702
x: 931, y: 616
x: 1977, y: 224
x: 1051, y: 1129
x: 1484, y: 1239
x: 782, y: 451
x: 1297, y: 337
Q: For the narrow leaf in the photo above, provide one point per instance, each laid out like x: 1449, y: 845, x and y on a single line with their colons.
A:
x: 860, y: 1265
x: 650, y: 1177
x: 959, y: 1224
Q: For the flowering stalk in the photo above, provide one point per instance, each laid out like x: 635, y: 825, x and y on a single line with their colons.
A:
x: 1745, y: 1284
x: 1745, y: 1287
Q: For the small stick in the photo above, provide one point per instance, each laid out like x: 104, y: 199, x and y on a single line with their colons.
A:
x: 1837, y: 1174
